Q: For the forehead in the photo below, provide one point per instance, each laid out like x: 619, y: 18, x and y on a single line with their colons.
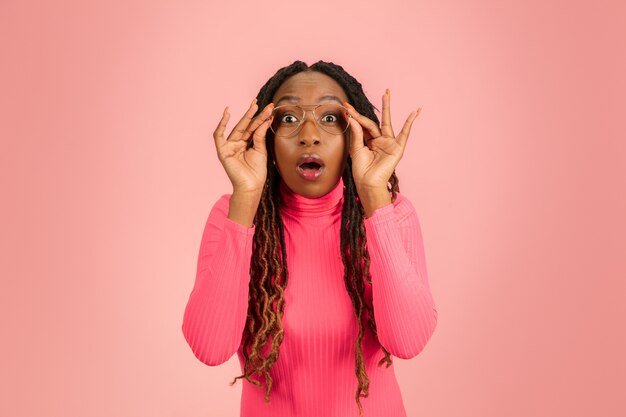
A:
x: 309, y: 87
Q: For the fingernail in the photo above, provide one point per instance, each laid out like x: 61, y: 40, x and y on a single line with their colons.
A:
x: 387, y: 91
x: 253, y: 102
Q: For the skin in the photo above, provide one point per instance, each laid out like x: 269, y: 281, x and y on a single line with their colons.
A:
x: 308, y: 88
x: 375, y: 150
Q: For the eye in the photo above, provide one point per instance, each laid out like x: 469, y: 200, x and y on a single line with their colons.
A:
x: 288, y: 119
x: 329, y: 118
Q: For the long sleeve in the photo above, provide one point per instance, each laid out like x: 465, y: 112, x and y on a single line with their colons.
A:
x: 215, y: 314
x: 319, y: 323
x: 404, y: 309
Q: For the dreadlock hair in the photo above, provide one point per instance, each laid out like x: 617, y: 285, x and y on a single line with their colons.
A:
x: 263, y: 332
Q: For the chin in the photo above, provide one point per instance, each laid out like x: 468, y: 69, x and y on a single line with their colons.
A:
x: 310, y: 190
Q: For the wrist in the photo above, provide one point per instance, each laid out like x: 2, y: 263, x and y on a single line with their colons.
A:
x: 243, y: 207
x: 373, y: 199
x: 246, y: 196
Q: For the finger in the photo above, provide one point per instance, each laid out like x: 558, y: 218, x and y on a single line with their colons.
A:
x: 259, y: 135
x: 257, y: 121
x: 386, y: 128
x: 406, y: 129
x: 240, y: 127
x: 368, y: 124
x: 356, y: 138
x: 218, y: 134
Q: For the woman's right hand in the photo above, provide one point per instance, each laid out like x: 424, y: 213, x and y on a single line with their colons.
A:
x: 245, y: 166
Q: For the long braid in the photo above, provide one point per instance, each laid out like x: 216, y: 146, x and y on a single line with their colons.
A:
x: 268, y: 267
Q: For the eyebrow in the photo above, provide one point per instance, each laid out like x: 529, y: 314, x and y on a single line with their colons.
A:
x: 295, y: 99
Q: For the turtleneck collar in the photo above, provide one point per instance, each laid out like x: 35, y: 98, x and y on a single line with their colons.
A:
x: 298, y: 205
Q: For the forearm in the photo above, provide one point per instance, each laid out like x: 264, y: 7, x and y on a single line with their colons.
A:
x: 216, y: 311
x: 404, y: 309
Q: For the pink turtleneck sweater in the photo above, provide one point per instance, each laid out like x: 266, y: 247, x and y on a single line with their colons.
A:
x: 315, y: 371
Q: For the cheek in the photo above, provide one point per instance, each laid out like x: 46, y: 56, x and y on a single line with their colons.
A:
x: 281, y: 154
x: 343, y: 149
x: 340, y: 156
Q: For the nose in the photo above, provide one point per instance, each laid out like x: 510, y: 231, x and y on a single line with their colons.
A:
x: 309, y: 131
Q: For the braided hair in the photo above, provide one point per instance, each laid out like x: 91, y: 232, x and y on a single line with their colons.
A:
x: 268, y: 267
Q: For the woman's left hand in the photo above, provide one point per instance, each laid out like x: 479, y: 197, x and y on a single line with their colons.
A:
x: 375, y: 159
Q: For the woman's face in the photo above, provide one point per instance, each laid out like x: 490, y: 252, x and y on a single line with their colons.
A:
x: 310, y: 88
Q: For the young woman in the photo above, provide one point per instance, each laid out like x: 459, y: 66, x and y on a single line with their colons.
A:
x: 313, y: 269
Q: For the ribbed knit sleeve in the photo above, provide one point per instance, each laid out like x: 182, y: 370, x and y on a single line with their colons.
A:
x: 404, y: 309
x: 215, y: 314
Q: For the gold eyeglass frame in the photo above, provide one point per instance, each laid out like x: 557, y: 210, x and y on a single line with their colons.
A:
x: 304, y: 111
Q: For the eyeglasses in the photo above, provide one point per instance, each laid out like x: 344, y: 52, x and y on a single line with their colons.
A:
x: 331, y: 118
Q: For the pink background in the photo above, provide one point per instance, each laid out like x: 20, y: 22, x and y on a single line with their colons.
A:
x: 516, y: 166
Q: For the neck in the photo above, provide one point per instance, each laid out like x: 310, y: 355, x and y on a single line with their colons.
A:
x: 296, y: 204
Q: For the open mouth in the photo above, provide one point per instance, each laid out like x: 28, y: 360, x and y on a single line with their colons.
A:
x: 310, y: 170
x: 308, y: 166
